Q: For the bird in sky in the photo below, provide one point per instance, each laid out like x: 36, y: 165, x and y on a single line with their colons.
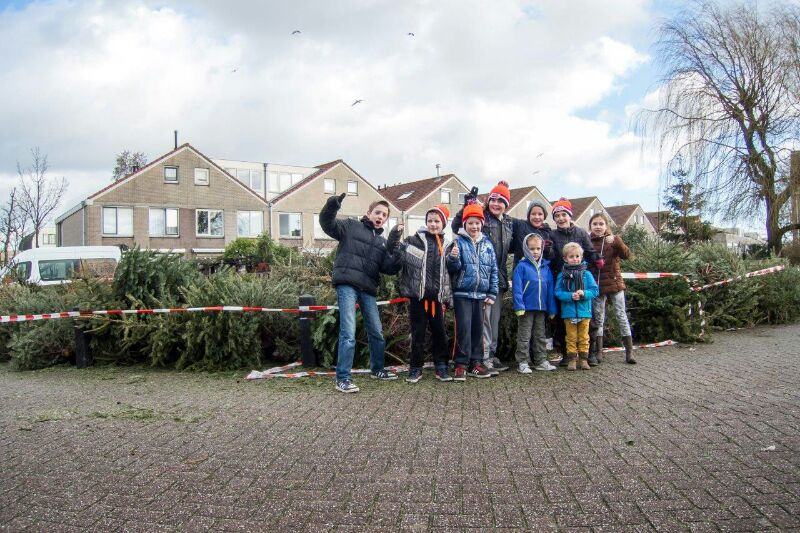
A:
x: 540, y: 155
x: 295, y: 32
x: 535, y: 172
x: 234, y: 70
x: 411, y: 34
x: 356, y: 102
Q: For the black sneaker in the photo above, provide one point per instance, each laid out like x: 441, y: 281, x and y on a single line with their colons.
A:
x: 414, y: 375
x: 489, y: 366
x: 498, y: 364
x: 384, y: 375
x: 478, y: 371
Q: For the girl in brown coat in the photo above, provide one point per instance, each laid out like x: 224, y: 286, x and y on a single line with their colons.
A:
x: 610, y: 249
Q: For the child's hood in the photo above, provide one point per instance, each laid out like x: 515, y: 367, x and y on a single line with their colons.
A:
x: 463, y: 233
x: 529, y: 256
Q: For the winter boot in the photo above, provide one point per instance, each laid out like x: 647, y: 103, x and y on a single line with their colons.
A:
x: 572, y: 361
x: 598, y: 343
x: 628, y: 343
x: 593, y: 351
x: 584, y: 360
x: 564, y: 356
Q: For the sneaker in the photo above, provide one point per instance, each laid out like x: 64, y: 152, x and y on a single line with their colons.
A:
x: 498, y: 364
x: 488, y: 365
x: 384, y: 375
x: 346, y: 386
x: 460, y: 374
x: 414, y: 375
x: 442, y: 375
x: 524, y: 368
x: 545, y: 366
x: 478, y: 371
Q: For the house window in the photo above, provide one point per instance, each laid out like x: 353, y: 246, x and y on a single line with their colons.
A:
x: 209, y: 223
x: 201, y: 176
x: 257, y: 180
x: 405, y: 195
x: 285, y: 181
x: 171, y: 174
x: 249, y: 223
x: 48, y: 238
x: 462, y: 197
x: 352, y: 187
x: 118, y: 221
x: 291, y: 225
x: 296, y: 178
x: 330, y: 186
x: 318, y: 233
x: 274, y: 183
x: 163, y: 221
x: 445, y: 198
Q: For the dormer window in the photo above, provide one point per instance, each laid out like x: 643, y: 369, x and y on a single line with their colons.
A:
x: 405, y: 195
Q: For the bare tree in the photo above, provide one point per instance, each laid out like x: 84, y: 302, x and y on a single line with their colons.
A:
x: 13, y: 221
x: 39, y: 196
x: 729, y: 105
x: 128, y: 162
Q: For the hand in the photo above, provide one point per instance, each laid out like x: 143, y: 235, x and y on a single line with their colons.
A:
x: 600, y: 263
x: 547, y: 243
x: 520, y: 312
x: 454, y: 252
x: 580, y: 293
x: 488, y: 301
x: 576, y: 296
x: 400, y: 228
x: 397, y: 230
x: 341, y: 197
x: 610, y: 239
x: 471, y: 196
x: 551, y: 317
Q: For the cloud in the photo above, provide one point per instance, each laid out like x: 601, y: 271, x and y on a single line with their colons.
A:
x: 482, y: 88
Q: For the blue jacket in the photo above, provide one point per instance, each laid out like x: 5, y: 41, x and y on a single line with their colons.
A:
x: 474, y: 271
x: 581, y: 308
x: 533, y: 286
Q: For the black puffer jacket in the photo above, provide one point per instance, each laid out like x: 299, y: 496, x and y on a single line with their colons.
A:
x: 561, y: 237
x: 424, y: 272
x: 500, y: 233
x: 523, y: 228
x: 362, y: 255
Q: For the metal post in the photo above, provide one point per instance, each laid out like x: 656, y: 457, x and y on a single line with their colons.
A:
x: 83, y: 355
x: 307, y: 355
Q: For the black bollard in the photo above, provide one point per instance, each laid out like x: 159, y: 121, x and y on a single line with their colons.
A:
x: 307, y: 356
x: 83, y: 355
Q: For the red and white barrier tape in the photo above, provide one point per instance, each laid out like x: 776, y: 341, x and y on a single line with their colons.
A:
x: 762, y: 272
x: 278, y: 372
x: 651, y: 275
x: 641, y: 346
x: 218, y: 308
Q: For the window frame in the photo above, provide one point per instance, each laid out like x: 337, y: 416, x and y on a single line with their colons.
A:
x: 207, y: 178
x: 325, y: 182
x: 170, y: 167
x: 116, y: 209
x: 449, y: 193
x: 289, y: 236
x: 355, y: 183
x: 250, y: 214
x: 166, y: 226
x: 197, y: 221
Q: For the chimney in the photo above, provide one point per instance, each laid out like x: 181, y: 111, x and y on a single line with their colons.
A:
x: 134, y: 169
x: 176, y: 139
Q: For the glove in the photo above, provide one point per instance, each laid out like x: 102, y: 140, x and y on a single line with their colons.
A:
x: 600, y: 263
x: 520, y: 312
x: 336, y: 200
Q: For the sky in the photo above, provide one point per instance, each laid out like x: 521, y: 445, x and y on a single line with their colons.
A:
x: 537, y: 92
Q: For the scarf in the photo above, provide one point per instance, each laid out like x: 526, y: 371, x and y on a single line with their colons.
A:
x: 572, y: 277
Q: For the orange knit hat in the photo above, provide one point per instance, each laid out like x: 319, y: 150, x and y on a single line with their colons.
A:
x: 562, y: 205
x: 473, y: 210
x: 441, y: 210
x: 500, y: 192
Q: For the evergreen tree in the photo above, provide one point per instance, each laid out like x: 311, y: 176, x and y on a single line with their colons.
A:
x: 685, y: 206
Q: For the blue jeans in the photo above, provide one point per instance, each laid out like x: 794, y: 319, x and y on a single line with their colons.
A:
x: 347, y: 297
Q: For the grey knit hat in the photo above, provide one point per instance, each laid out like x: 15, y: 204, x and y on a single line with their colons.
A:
x: 537, y: 203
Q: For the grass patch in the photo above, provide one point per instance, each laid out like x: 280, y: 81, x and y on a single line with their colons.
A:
x: 142, y: 414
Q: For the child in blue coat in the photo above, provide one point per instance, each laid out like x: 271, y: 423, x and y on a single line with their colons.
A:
x: 575, y: 289
x: 473, y: 269
x: 534, y: 302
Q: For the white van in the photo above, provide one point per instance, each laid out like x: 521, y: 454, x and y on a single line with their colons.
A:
x: 51, y: 266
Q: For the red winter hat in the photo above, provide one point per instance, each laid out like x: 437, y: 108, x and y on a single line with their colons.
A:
x: 441, y: 210
x: 472, y: 210
x: 562, y: 205
x: 500, y: 192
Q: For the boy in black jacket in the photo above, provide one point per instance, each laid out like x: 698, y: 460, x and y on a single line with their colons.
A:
x: 361, y: 258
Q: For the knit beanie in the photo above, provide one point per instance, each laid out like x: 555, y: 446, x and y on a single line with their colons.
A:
x: 540, y: 205
x: 562, y: 205
x: 500, y: 192
x: 441, y: 210
x: 473, y: 210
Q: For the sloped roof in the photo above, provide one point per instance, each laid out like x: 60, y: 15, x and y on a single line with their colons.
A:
x: 321, y: 169
x: 517, y: 195
x: 654, y: 216
x: 579, y: 205
x: 419, y: 190
x: 621, y: 213
x: 185, y: 146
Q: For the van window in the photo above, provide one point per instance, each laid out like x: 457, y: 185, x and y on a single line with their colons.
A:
x: 18, y: 272
x: 101, y: 268
x: 58, y: 269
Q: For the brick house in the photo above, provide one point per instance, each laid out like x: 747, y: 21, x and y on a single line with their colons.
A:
x: 658, y: 219
x: 182, y: 201
x: 627, y: 215
x: 584, y: 208
x: 294, y: 214
x: 413, y: 199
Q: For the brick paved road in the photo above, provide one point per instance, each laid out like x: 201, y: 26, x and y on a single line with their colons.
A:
x: 674, y: 443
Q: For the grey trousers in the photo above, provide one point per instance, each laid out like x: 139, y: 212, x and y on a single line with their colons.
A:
x: 599, y: 312
x: 531, y: 321
x: 491, y: 326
